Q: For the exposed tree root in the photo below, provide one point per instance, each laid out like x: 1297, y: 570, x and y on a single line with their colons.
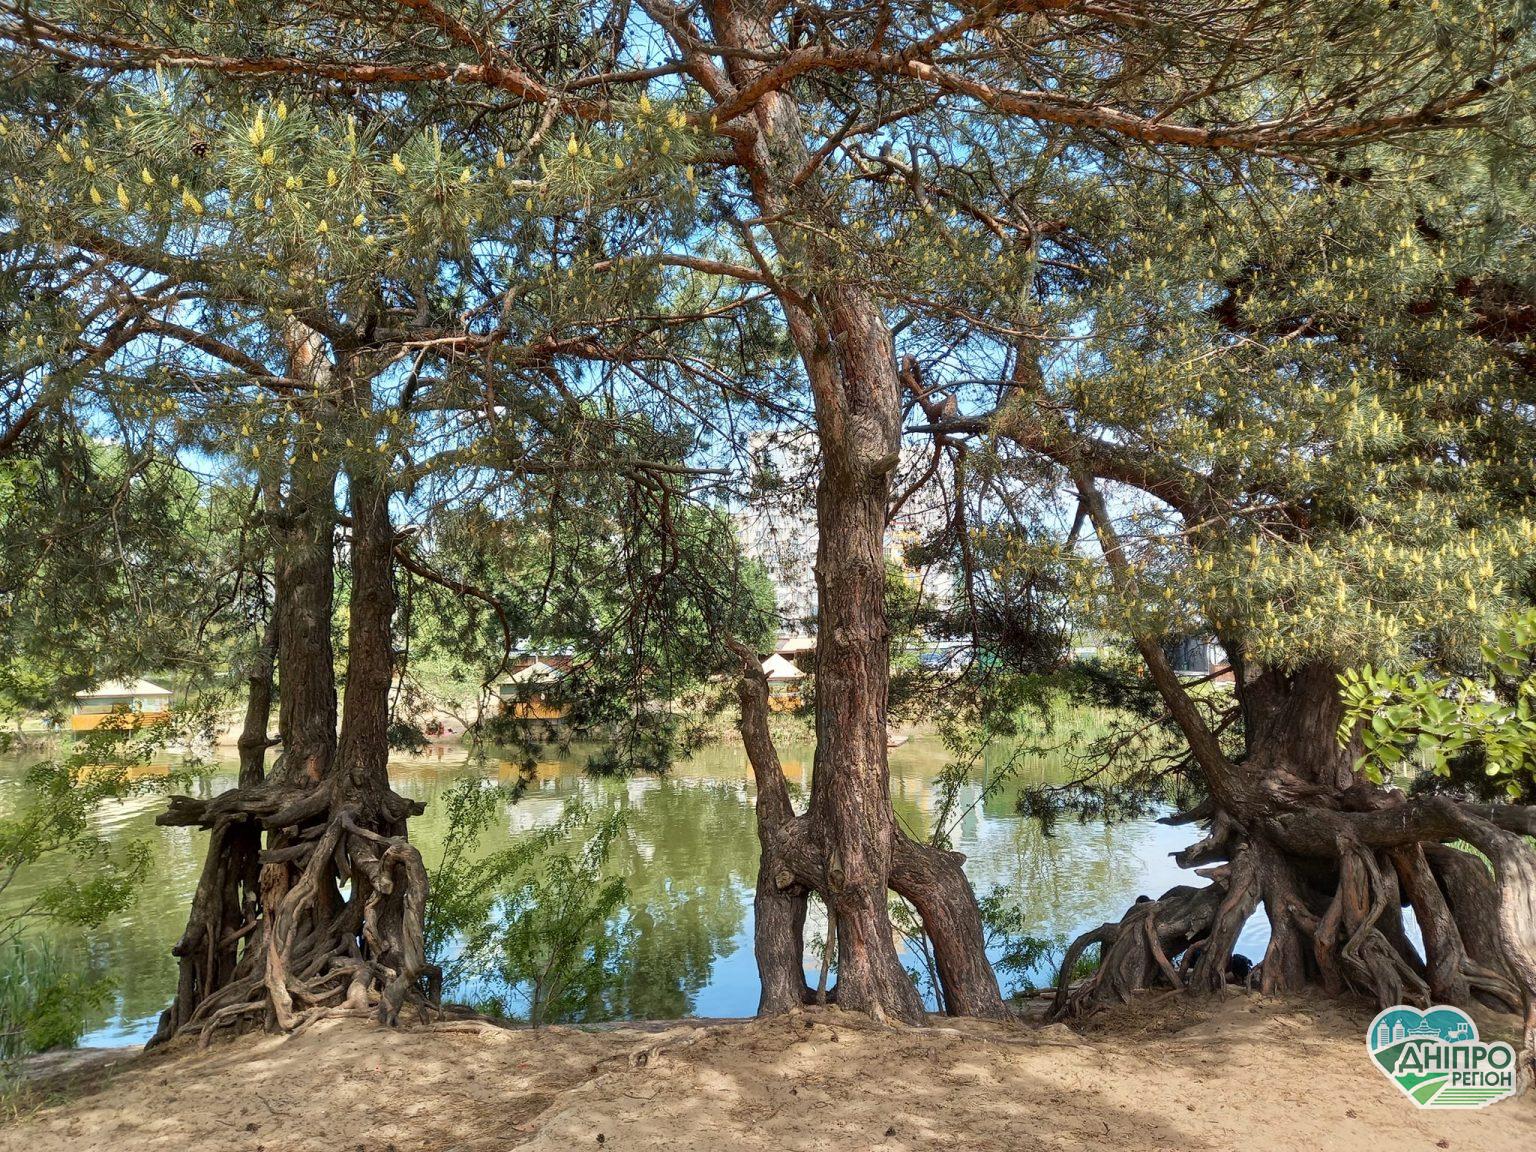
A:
x: 335, y: 916
x: 1335, y: 917
x: 331, y: 911
x: 1138, y: 951
x: 1333, y: 857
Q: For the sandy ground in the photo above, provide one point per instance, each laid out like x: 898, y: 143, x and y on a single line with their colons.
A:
x: 1246, y: 1074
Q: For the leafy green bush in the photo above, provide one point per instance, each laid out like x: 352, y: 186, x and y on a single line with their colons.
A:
x: 1418, y: 716
x: 1018, y: 955
x: 55, y: 818
x: 44, y: 998
x: 525, y: 930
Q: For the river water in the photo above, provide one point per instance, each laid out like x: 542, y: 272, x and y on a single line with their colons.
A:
x: 688, y: 856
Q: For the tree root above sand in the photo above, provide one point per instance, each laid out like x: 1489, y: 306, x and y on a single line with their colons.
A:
x: 1336, y: 920
x: 330, y: 915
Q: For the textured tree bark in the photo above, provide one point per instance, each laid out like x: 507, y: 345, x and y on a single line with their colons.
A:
x: 224, y: 924
x: 1138, y: 951
x: 1291, y: 721
x: 1333, y: 858
x: 305, y: 583
x: 779, y: 904
x: 388, y: 873
x: 846, y: 348
x: 363, y: 749
x: 1446, y: 961
x: 850, y: 809
x: 1473, y: 898
x: 330, y: 817
x: 850, y: 828
x: 252, y: 742
x: 933, y: 882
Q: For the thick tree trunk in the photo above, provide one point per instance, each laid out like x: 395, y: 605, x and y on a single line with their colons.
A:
x: 339, y: 911
x: 252, y: 742
x: 846, y: 348
x: 388, y: 873
x: 305, y: 585
x: 1472, y: 896
x: 1291, y: 723
x: 1333, y: 858
x: 363, y: 751
x: 779, y: 905
x: 224, y: 925
x: 850, y: 809
x: 933, y: 881
x: 1334, y: 861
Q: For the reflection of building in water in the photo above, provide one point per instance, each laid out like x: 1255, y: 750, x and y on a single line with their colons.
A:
x: 690, y: 858
x: 636, y: 787
x: 797, y: 769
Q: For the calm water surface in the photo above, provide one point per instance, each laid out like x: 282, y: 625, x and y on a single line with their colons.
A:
x: 689, y: 856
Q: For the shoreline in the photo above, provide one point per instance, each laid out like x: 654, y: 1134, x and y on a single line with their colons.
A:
x: 1260, y: 1074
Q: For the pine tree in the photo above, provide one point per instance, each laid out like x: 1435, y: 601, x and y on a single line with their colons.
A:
x: 1299, y: 422
x: 773, y: 124
x: 313, y: 305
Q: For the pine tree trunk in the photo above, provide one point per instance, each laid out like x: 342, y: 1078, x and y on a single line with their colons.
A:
x: 387, y: 871
x: 850, y: 809
x: 224, y: 922
x: 338, y: 913
x: 1334, y: 861
x: 848, y: 354
x: 1291, y: 724
x: 779, y: 905
x: 363, y: 752
x: 1333, y: 858
x: 305, y: 583
x: 252, y: 742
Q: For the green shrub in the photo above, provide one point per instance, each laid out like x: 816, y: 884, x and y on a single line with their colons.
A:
x: 44, y: 998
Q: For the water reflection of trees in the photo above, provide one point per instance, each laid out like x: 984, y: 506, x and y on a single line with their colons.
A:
x: 133, y: 950
x: 689, y: 862
x: 689, y: 858
x: 1078, y: 875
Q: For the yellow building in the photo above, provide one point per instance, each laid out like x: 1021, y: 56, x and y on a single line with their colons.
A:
x: 525, y: 694
x: 783, y: 683
x: 144, y: 702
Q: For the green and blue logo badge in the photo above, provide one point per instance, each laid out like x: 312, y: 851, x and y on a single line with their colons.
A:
x: 1437, y: 1060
